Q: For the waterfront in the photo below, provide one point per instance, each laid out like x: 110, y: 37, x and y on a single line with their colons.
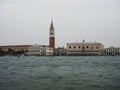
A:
x: 60, y: 73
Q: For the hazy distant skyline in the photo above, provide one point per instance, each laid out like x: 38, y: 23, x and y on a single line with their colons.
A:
x: 28, y: 21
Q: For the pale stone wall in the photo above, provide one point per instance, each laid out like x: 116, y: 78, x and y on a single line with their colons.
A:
x: 40, y: 50
x: 49, y: 51
x: 112, y: 51
x: 34, y: 50
x: 15, y: 47
x: 84, y: 48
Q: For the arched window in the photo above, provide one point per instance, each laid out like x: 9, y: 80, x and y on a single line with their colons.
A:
x: 74, y: 46
x: 83, y: 47
x: 87, y: 47
x: 96, y: 47
x: 70, y: 47
x: 91, y: 47
x: 79, y: 47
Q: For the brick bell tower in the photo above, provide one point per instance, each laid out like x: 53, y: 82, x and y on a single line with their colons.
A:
x: 52, y: 36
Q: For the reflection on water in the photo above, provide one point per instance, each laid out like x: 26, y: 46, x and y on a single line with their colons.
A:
x: 60, y: 73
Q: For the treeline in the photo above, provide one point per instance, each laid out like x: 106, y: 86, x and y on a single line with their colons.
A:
x: 11, y: 52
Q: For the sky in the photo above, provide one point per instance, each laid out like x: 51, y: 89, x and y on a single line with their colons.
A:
x: 27, y: 22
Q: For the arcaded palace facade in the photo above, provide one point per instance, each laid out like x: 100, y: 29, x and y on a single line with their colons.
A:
x: 85, y: 49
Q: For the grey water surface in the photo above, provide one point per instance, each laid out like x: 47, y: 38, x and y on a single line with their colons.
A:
x: 60, y: 73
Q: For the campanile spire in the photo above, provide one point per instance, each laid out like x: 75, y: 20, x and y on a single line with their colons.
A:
x: 51, y: 26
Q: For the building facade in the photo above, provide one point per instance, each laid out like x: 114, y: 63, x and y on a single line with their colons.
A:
x: 60, y: 51
x: 49, y: 51
x: 35, y: 50
x: 85, y: 49
x: 39, y: 50
x: 112, y: 51
x: 15, y: 47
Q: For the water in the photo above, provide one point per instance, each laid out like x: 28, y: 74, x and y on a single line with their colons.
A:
x: 60, y: 73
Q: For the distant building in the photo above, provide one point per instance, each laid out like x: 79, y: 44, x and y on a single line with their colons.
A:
x: 49, y: 51
x: 35, y: 50
x: 60, y: 51
x: 84, y: 49
x: 15, y: 47
x: 111, y: 51
x: 39, y: 50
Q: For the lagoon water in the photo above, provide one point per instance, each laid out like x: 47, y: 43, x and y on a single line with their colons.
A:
x: 60, y: 73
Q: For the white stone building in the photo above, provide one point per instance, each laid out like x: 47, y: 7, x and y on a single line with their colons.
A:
x: 111, y: 51
x: 60, y: 51
x: 49, y: 51
x: 85, y: 49
x: 40, y: 50
x: 34, y: 50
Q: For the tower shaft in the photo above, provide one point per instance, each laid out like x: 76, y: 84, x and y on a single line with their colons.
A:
x: 52, y: 42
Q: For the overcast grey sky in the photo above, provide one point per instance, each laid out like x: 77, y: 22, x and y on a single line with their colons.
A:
x: 28, y: 21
